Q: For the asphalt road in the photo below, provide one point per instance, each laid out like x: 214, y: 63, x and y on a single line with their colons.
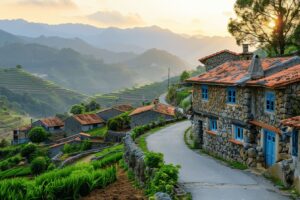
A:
x: 204, y: 177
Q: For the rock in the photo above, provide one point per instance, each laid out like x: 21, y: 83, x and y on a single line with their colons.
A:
x: 250, y: 161
x: 162, y: 196
x: 251, y: 153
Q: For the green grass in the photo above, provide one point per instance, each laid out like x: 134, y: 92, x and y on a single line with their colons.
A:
x: 188, y: 140
x: 98, y: 132
x: 110, y: 149
x: 15, y: 172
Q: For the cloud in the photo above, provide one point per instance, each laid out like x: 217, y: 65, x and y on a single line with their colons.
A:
x: 115, y: 18
x: 49, y: 3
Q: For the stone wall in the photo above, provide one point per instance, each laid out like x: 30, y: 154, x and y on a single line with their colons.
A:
x: 114, y: 136
x: 147, y: 117
x: 219, y: 59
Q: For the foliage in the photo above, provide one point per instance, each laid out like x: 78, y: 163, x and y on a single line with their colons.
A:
x: 164, y: 180
x: 98, y: 132
x: 119, y: 123
x: 4, y: 143
x: 28, y: 150
x: 67, y: 183
x: 72, y: 148
x: 15, y: 172
x: 154, y: 160
x: 77, y: 109
x: 10, y: 162
x: 37, y: 134
x: 108, y: 160
x: 38, y: 165
x: 110, y: 149
x: 10, y: 151
x: 184, y: 75
x: 92, y: 106
x: 269, y: 23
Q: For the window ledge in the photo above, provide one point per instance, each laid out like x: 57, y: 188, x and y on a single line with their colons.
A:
x: 211, y: 133
x: 236, y: 142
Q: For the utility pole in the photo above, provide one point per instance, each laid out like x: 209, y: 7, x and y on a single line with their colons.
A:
x: 168, y: 78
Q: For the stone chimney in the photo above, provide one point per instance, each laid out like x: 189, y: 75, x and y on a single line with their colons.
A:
x: 245, y: 48
x: 255, y: 70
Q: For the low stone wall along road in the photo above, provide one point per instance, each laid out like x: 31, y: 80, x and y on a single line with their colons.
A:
x: 204, y: 177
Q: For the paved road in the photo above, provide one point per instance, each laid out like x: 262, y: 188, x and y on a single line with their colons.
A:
x: 162, y: 99
x: 204, y: 177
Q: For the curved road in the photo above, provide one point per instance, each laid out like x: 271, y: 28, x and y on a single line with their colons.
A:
x: 204, y: 177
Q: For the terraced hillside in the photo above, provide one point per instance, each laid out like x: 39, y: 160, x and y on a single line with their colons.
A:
x: 47, y: 97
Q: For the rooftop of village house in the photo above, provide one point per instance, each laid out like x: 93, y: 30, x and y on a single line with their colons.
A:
x: 156, y: 107
x: 292, y: 122
x: 267, y: 72
x: 52, y: 121
x: 86, y: 119
x: 121, y: 107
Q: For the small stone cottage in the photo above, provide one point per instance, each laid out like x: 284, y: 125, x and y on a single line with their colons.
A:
x: 82, y: 123
x: 218, y: 58
x: 238, y: 108
x: 20, y: 135
x: 152, y: 113
x: 114, y: 111
x: 51, y: 124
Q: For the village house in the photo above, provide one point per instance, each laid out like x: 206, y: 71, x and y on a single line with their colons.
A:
x: 218, y: 58
x: 238, y: 108
x: 152, y: 113
x: 82, y: 123
x: 50, y: 124
x: 20, y: 135
x: 114, y: 111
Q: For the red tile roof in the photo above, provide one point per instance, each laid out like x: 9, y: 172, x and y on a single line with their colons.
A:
x: 52, y: 121
x: 86, y: 119
x: 160, y: 108
x: 265, y: 126
x: 231, y: 73
x: 292, y: 122
x: 24, y: 128
x: 217, y: 53
x: 123, y: 107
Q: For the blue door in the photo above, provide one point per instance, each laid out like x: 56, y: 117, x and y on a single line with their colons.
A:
x: 295, y: 143
x: 269, y: 147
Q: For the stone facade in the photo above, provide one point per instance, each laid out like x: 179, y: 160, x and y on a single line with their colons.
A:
x: 250, y: 105
x: 114, y: 136
x: 108, y: 114
x: 219, y: 59
x: 72, y: 126
x: 148, y: 117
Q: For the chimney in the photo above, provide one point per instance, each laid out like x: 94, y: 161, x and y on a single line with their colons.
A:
x: 155, y: 102
x: 255, y: 70
x: 245, y: 48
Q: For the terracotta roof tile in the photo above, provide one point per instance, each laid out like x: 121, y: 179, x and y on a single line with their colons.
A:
x: 217, y: 53
x: 292, y: 122
x: 266, y: 126
x: 161, y: 108
x: 123, y: 107
x: 231, y: 73
x: 86, y: 119
x: 52, y: 122
x: 24, y: 128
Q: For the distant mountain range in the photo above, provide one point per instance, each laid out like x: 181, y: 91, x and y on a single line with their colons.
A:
x: 136, y: 40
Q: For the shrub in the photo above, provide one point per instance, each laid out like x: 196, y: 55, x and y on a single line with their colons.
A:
x: 4, y: 165
x: 28, y: 149
x: 154, y: 160
x: 77, y: 109
x: 38, y: 134
x: 108, y: 160
x: 164, y: 180
x: 4, y: 143
x: 38, y: 165
x: 85, y: 145
x: 119, y: 123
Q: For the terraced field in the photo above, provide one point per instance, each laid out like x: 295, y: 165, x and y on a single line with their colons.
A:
x: 21, y: 82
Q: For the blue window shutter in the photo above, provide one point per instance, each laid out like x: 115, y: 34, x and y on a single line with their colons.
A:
x: 270, y: 101
x: 231, y: 95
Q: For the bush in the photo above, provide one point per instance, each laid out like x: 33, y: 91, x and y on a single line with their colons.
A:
x: 108, y: 160
x: 28, y: 150
x: 154, y: 160
x: 38, y: 165
x: 85, y: 145
x: 77, y: 109
x: 4, y: 143
x: 38, y: 134
x: 119, y: 123
x: 164, y: 180
x: 4, y: 165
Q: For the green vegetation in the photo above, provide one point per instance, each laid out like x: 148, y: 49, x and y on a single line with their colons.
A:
x: 15, y: 172
x: 90, y: 107
x: 10, y: 162
x: 188, y: 138
x: 154, y: 160
x: 119, y: 123
x: 273, y: 24
x: 38, y: 165
x: 35, y: 95
x: 106, y: 151
x: 76, y: 148
x: 77, y: 109
x: 98, y: 132
x: 107, y: 160
x: 38, y: 134
x: 184, y: 75
x: 71, y: 182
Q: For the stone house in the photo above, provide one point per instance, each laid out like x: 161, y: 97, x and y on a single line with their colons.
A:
x: 218, y: 58
x: 151, y: 113
x: 82, y: 123
x: 238, y: 108
x: 114, y: 111
x: 20, y: 135
x: 51, y: 124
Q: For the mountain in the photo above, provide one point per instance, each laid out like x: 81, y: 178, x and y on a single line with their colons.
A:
x: 7, y: 38
x: 135, y: 40
x: 33, y: 95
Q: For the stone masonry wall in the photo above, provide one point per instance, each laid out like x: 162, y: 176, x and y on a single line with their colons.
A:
x: 219, y: 59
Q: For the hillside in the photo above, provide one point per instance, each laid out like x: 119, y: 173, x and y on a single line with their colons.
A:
x: 34, y: 95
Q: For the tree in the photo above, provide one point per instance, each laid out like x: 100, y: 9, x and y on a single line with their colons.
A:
x: 184, y: 75
x: 268, y: 23
x: 92, y: 106
x: 77, y: 109
x: 4, y: 143
x: 28, y: 149
x: 38, y: 134
x: 38, y: 165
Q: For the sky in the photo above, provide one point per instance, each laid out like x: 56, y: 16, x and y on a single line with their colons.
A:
x: 191, y: 17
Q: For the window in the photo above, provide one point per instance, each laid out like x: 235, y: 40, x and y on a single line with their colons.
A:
x: 270, y: 101
x: 213, y: 124
x: 204, y: 92
x: 231, y: 95
x: 238, y: 133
